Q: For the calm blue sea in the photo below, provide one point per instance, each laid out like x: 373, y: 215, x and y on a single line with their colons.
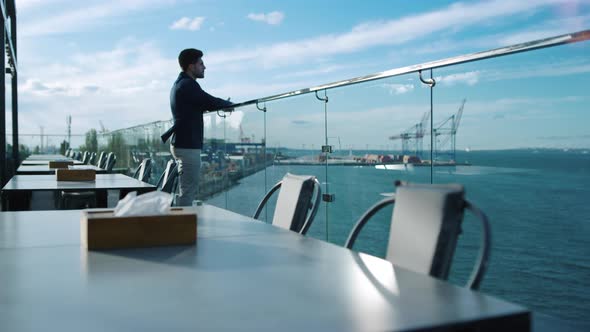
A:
x: 538, y: 201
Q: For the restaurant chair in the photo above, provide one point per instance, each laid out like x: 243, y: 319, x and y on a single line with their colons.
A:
x: 295, y: 208
x: 85, y: 157
x: 110, y: 162
x: 168, y: 181
x: 102, y: 158
x: 143, y: 171
x: 91, y: 158
x: 425, y: 225
x: 84, y: 199
x: 70, y: 200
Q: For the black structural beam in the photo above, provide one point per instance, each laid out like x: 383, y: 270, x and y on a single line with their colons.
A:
x: 8, y: 32
x: 3, y: 165
x: 11, y: 9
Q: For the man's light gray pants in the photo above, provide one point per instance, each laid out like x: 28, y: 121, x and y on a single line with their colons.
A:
x: 189, y: 170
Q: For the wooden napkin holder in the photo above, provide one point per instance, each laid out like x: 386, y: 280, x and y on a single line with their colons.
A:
x: 60, y: 163
x: 100, y: 229
x: 64, y: 174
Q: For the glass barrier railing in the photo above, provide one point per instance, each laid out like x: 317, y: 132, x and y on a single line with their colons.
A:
x: 524, y: 136
x: 512, y: 130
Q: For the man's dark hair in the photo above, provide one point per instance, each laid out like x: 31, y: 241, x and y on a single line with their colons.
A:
x: 189, y: 56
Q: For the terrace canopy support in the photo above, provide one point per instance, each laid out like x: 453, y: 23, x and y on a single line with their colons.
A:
x: 9, y: 66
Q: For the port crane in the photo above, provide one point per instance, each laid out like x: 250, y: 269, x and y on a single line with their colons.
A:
x: 445, y: 135
x: 413, y: 137
x: 103, y: 130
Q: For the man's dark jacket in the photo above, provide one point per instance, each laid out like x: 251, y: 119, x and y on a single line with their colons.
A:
x: 188, y: 102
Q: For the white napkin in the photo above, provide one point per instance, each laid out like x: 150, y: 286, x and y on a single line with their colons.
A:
x: 152, y: 203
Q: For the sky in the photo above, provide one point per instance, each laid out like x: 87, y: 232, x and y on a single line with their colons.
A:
x: 111, y: 64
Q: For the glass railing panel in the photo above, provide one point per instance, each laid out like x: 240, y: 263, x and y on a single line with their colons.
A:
x: 244, y: 162
x: 524, y: 134
x: 372, y: 129
x: 132, y: 145
x: 295, y: 134
x: 118, y: 142
x: 46, y: 143
x: 215, y: 180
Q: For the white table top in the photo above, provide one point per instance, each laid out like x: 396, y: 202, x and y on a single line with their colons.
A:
x: 44, y: 169
x: 47, y: 157
x: 38, y: 162
x: 240, y: 275
x: 49, y: 182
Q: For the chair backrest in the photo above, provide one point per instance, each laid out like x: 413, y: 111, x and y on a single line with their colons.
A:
x: 91, y: 158
x: 168, y: 180
x: 85, y: 157
x: 68, y: 152
x: 102, y: 158
x: 110, y: 162
x: 425, y: 226
x: 295, y: 208
x: 144, y: 170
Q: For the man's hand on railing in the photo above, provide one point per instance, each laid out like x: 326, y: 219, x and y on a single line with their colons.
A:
x: 229, y: 109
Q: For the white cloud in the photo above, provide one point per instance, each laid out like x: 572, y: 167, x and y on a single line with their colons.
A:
x: 399, y: 89
x: 469, y: 78
x: 186, y: 23
x: 544, y: 29
x: 27, y: 4
x: 372, y: 34
x: 233, y: 120
x: 550, y: 28
x: 37, y: 88
x: 88, y: 15
x: 239, y: 90
x: 272, y: 18
x: 325, y: 69
x: 118, y: 90
x: 557, y: 68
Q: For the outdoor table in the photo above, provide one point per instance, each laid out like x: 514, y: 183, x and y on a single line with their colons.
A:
x: 38, y: 162
x: 240, y: 275
x: 47, y: 157
x: 16, y: 194
x: 44, y: 169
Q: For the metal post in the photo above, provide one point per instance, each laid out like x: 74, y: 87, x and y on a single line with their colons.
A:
x: 3, y: 165
x: 225, y: 165
x: 327, y: 197
x: 11, y: 9
x: 431, y: 83
x: 431, y: 133
x: 263, y: 109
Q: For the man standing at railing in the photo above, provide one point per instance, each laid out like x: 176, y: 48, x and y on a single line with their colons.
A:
x: 188, y: 102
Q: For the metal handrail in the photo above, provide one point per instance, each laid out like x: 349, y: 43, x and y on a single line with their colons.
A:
x: 568, y: 38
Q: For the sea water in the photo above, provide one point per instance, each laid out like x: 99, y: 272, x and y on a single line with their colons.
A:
x: 537, y: 200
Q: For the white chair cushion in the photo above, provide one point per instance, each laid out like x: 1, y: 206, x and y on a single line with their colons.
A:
x: 289, y: 199
x: 425, y: 226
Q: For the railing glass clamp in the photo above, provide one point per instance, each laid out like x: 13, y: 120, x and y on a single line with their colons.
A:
x: 329, y: 198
